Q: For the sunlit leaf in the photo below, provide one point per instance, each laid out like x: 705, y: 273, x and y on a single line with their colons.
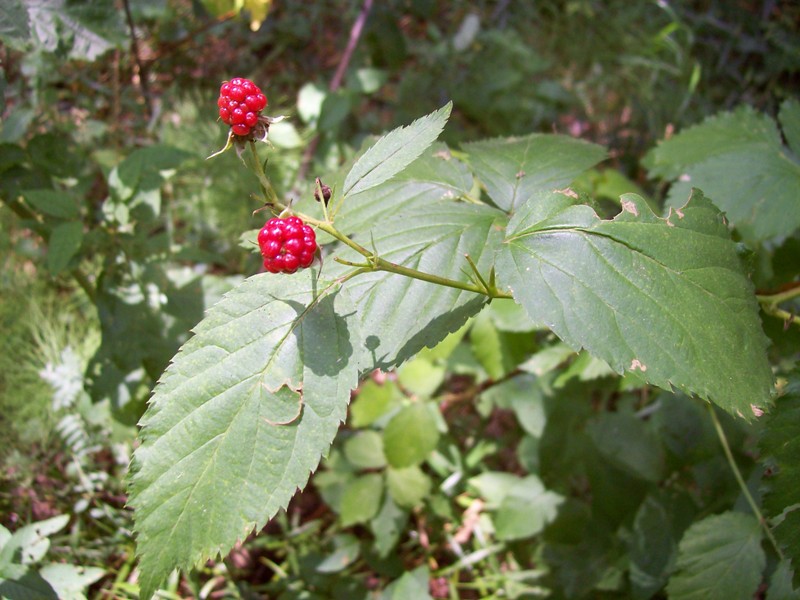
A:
x: 665, y: 298
x: 395, y: 151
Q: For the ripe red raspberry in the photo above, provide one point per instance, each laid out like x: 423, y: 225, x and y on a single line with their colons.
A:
x: 240, y: 102
x: 287, y: 245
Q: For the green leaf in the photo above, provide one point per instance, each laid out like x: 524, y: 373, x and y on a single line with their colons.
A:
x: 65, y: 241
x: 738, y: 160
x: 70, y: 581
x: 435, y: 175
x: 53, y: 203
x: 421, y: 377
x: 521, y: 506
x: 410, y: 436
x: 409, y: 486
x: 240, y: 418
x: 780, y: 584
x: 373, y: 401
x: 388, y: 525
x: 347, y: 550
x: 665, y: 298
x: 411, y: 586
x: 395, y: 151
x: 361, y: 499
x: 524, y: 396
x: 719, y: 558
x: 512, y: 169
x: 499, y: 352
x: 365, y: 450
x: 780, y: 446
x: 652, y: 548
x: 29, y: 543
x: 627, y: 443
x: 789, y: 118
x: 404, y: 315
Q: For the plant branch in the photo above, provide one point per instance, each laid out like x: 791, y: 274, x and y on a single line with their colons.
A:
x: 336, y: 81
x: 140, y: 67
x: 742, y: 484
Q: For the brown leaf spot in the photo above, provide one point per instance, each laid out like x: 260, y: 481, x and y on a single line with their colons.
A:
x: 568, y: 192
x: 636, y: 364
x: 630, y: 207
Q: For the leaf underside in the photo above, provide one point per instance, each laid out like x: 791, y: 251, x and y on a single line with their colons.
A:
x: 395, y: 151
x: 404, y: 315
x: 666, y: 298
x: 240, y: 419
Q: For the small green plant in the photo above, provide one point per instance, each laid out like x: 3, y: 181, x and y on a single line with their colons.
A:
x: 23, y: 574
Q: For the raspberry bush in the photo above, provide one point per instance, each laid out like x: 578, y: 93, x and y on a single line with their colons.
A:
x: 410, y: 262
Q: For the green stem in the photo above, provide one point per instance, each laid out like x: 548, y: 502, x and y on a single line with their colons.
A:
x: 380, y: 264
x: 375, y: 262
x: 779, y: 297
x: 769, y: 304
x: 270, y: 197
x: 742, y: 484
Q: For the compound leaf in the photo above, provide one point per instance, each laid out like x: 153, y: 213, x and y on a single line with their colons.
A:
x: 666, y: 298
x: 395, y: 151
x: 434, y: 176
x: 240, y: 419
x: 512, y: 169
x: 719, y: 558
x: 403, y: 315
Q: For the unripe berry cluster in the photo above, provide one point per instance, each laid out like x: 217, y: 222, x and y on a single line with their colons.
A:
x: 287, y: 245
x: 240, y: 102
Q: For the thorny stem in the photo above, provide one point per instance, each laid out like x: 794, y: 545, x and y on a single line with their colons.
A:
x: 374, y: 262
x: 769, y: 304
x: 742, y: 484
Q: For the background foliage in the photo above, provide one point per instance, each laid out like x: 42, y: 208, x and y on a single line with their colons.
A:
x: 499, y: 463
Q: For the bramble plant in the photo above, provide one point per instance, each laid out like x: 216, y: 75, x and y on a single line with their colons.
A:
x: 418, y: 239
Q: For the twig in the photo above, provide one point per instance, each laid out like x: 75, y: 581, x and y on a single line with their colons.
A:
x: 143, y: 83
x: 336, y: 82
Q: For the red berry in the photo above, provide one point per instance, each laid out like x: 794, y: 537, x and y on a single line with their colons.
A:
x: 240, y: 129
x: 286, y: 244
x: 240, y: 102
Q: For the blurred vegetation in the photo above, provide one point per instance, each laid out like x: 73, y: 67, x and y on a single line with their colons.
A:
x: 79, y: 97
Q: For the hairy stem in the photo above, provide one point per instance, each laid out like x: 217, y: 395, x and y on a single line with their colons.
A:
x: 742, y: 484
